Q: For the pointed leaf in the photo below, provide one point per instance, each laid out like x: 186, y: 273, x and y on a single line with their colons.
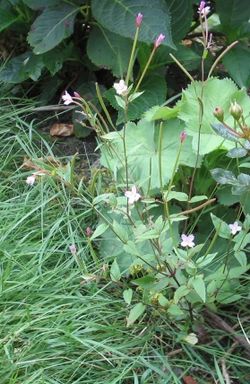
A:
x: 115, y: 272
x: 135, y: 313
x: 199, y: 286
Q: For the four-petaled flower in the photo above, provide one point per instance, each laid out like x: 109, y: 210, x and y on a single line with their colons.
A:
x: 159, y: 40
x: 132, y: 195
x: 203, y: 10
x: 73, y: 249
x: 138, y: 19
x: 235, y: 227
x: 67, y: 99
x: 121, y: 88
x: 187, y: 241
x: 31, y: 179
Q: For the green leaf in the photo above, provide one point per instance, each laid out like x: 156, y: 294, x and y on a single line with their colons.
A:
x: 51, y: 27
x: 115, y: 273
x: 235, y: 12
x: 225, y: 196
x: 161, y: 113
x: 241, y: 258
x: 145, y: 282
x: 7, y: 18
x: 180, y: 292
x: 109, y: 50
x: 222, y: 176
x: 38, y: 4
x: 119, y: 17
x: 127, y: 295
x: 236, y: 153
x: 237, y: 63
x: 181, y: 12
x: 100, y: 229
x: 196, y: 199
x: 214, y: 92
x: 143, y: 153
x: 120, y: 231
x: 205, y: 260
x: 180, y: 196
x: 221, y: 227
x: 135, y: 313
x: 199, y: 286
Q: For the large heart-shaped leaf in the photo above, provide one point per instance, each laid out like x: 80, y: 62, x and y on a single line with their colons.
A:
x: 213, y: 93
x: 109, y: 50
x: 143, y: 153
x: 181, y: 12
x: 237, y: 63
x: 119, y: 17
x: 51, y: 27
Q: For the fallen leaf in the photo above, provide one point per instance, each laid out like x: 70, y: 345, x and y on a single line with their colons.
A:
x: 189, y: 380
x: 61, y: 129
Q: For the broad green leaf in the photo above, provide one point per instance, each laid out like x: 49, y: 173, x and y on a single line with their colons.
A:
x: 7, y: 18
x: 145, y: 282
x: 109, y: 50
x: 214, y: 92
x: 127, y: 295
x: 143, y: 153
x: 237, y: 63
x: 180, y: 292
x: 54, y: 59
x: 118, y: 16
x: 135, y: 313
x: 175, y: 311
x: 205, y: 260
x: 161, y: 113
x: 38, y: 4
x: 234, y: 13
x: 22, y: 67
x: 199, y: 286
x: 100, y: 229
x: 241, y: 258
x: 222, y: 176
x: 181, y: 12
x: 236, y: 153
x: 196, y: 199
x: 115, y: 273
x: 51, y: 27
x: 245, y: 165
x: 120, y: 231
x: 225, y: 196
x: 180, y: 196
x: 221, y: 227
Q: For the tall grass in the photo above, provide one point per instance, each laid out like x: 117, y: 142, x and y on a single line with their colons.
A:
x: 61, y: 320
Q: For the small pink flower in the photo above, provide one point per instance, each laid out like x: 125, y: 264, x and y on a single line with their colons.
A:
x: 73, y: 249
x: 187, y: 241
x: 88, y: 231
x: 235, y: 227
x: 121, y: 88
x: 159, y: 40
x: 31, y: 179
x: 67, y: 99
x: 183, y: 136
x: 132, y: 195
x: 203, y: 10
x: 138, y: 20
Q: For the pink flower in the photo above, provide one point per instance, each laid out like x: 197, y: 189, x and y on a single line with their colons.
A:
x: 183, y: 136
x: 203, y: 10
x: 235, y: 227
x: 121, y: 88
x: 77, y: 95
x: 159, y: 40
x: 138, y: 20
x: 132, y: 195
x: 88, y: 231
x: 187, y: 241
x: 67, y: 99
x: 73, y: 249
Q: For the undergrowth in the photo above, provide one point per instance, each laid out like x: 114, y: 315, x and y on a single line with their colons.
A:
x: 62, y: 321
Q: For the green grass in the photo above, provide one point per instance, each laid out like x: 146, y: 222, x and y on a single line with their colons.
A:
x: 57, y: 327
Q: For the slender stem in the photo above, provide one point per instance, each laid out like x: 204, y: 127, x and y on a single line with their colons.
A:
x: 181, y: 67
x: 100, y: 98
x: 160, y: 157
x: 220, y: 57
x: 145, y: 69
x: 132, y: 56
x: 197, y: 208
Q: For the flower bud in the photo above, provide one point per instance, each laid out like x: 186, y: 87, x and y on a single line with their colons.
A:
x: 219, y: 114
x: 236, y: 110
x: 88, y: 231
x: 159, y: 40
x: 183, y: 136
x: 138, y: 20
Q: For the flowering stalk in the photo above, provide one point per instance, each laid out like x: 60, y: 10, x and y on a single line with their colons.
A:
x: 157, y: 43
x: 138, y: 22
